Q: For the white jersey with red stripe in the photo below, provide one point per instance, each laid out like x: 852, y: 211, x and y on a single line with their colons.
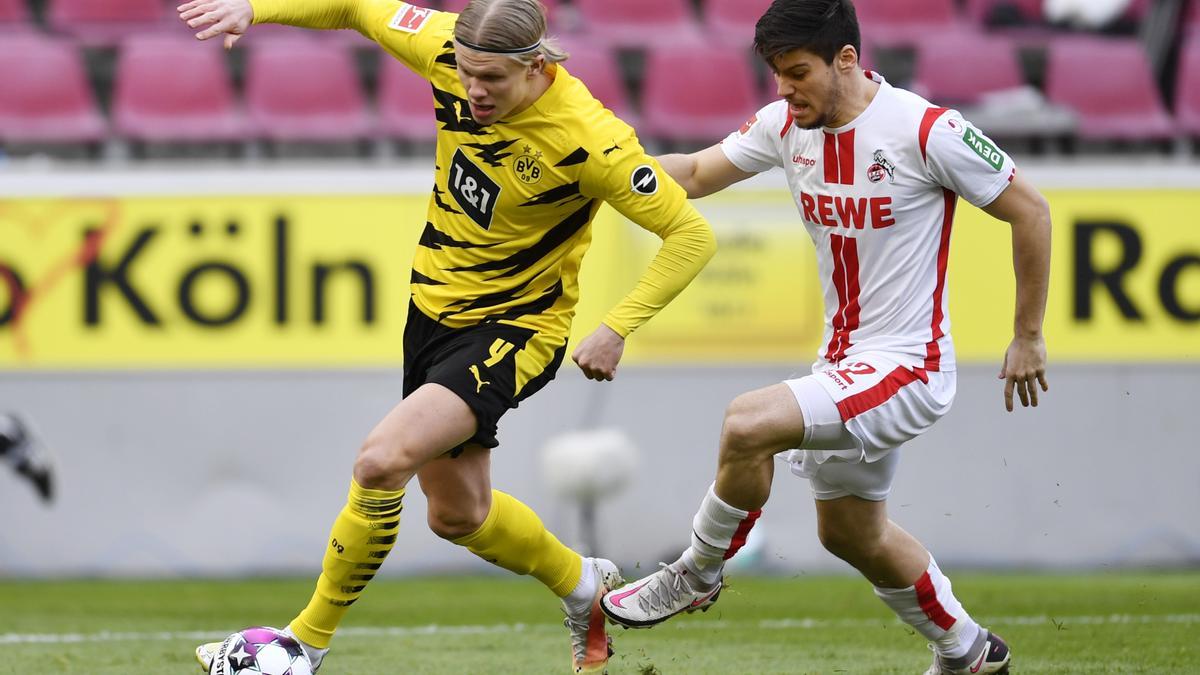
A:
x: 877, y: 196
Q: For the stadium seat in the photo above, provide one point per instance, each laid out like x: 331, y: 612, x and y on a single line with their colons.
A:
x: 1187, y: 89
x: 14, y: 16
x: 458, y: 5
x: 699, y: 93
x: 1109, y: 86
x: 732, y: 21
x: 597, y: 66
x: 906, y: 23
x: 1011, y: 12
x: 46, y: 97
x: 638, y: 23
x: 405, y: 103
x: 171, y: 89
x: 305, y: 90
x: 959, y: 67
x: 105, y: 24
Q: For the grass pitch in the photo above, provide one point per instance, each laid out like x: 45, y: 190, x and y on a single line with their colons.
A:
x: 1060, y: 624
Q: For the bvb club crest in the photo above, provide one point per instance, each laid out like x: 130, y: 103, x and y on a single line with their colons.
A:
x: 528, y: 166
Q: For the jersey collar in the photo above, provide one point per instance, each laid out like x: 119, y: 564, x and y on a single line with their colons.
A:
x: 885, y: 90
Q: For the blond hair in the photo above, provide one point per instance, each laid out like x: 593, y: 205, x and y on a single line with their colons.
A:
x: 508, y: 25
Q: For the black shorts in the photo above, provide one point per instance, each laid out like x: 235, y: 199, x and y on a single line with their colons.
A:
x: 490, y: 366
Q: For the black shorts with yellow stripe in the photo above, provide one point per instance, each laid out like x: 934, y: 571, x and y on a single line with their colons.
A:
x: 490, y: 366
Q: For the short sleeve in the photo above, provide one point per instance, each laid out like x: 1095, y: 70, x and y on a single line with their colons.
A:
x: 960, y: 157
x: 755, y: 147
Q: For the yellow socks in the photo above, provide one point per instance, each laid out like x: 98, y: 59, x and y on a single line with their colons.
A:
x: 513, y: 537
x: 362, y: 536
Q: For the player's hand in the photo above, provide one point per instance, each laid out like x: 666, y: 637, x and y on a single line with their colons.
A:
x: 1024, y: 369
x: 599, y: 353
x: 230, y: 18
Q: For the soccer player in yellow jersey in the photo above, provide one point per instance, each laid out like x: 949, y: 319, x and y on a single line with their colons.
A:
x: 525, y: 157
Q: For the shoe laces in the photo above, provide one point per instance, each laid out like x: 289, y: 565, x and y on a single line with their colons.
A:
x: 578, y: 624
x: 665, y: 591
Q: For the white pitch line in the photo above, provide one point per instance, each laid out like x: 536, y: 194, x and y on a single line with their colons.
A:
x: 437, y: 629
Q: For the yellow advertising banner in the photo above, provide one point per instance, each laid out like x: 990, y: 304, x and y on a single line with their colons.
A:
x: 316, y: 281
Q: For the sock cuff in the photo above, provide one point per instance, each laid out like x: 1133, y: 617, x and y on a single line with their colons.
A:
x: 500, y: 501
x: 888, y: 593
x: 374, y: 504
x: 714, y: 503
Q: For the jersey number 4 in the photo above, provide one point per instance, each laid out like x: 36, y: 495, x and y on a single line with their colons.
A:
x: 474, y: 191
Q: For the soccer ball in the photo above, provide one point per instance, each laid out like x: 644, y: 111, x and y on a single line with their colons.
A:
x: 260, y: 651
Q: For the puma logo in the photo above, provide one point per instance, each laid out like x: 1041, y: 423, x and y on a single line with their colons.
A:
x: 479, y: 381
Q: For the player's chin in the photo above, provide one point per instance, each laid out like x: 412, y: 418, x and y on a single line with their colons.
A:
x: 483, y: 114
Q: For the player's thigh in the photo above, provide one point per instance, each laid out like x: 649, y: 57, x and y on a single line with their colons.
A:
x: 492, y: 368
x: 426, y: 424
x: 872, y: 402
x: 764, y: 418
x: 835, y: 478
x: 458, y: 489
x: 853, y: 514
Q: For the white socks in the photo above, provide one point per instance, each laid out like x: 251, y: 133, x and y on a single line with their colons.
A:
x: 718, y: 531
x: 580, y: 599
x: 929, y: 606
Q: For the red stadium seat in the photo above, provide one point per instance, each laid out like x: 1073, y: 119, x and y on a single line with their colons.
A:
x: 638, y: 23
x: 14, y: 16
x: 892, y: 23
x: 1187, y: 89
x: 405, y: 103
x: 733, y: 21
x: 305, y: 90
x: 597, y: 66
x: 959, y: 67
x: 175, y: 89
x: 1109, y: 85
x: 981, y: 11
x: 46, y: 97
x: 696, y: 93
x: 458, y: 5
x: 106, y: 23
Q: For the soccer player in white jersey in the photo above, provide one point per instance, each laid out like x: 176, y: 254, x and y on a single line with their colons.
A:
x: 876, y: 172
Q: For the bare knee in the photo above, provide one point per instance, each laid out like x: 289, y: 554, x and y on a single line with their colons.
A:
x: 853, y: 545
x: 742, y: 430
x: 455, y: 520
x: 383, y: 465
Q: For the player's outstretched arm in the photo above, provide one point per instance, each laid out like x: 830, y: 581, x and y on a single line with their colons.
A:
x: 703, y: 172
x: 1024, y: 208
x: 230, y: 18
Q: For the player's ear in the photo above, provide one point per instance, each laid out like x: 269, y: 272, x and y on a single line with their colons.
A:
x: 847, y: 58
x: 536, y: 66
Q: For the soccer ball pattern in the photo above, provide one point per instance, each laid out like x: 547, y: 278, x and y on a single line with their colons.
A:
x: 260, y: 651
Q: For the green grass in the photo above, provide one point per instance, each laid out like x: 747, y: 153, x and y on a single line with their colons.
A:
x: 1060, y: 624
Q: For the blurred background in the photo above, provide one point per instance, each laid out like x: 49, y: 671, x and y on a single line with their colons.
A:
x: 205, y: 259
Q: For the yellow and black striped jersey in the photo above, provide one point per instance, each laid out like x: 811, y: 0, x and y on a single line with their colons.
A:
x: 509, y: 217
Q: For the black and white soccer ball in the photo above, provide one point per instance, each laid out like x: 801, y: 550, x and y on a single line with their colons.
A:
x: 260, y: 651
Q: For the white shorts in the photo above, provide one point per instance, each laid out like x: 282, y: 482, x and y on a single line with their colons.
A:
x: 856, y: 416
